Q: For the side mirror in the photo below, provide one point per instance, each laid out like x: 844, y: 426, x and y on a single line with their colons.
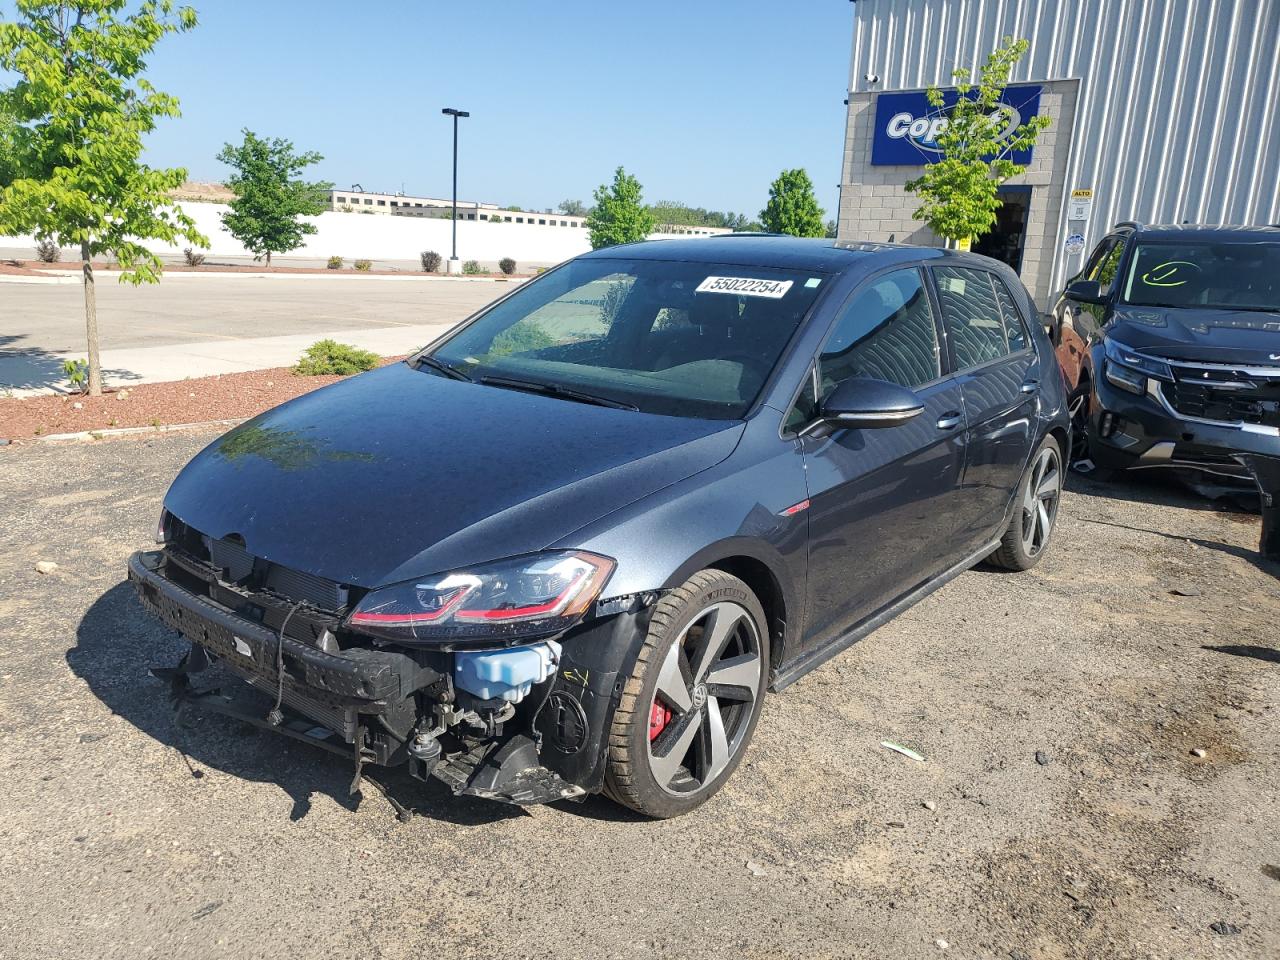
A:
x: 861, y: 403
x: 1084, y: 291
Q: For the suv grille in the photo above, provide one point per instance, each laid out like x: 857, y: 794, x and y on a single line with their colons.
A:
x: 1225, y: 395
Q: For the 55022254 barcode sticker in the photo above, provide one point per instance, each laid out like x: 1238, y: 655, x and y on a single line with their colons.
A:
x: 745, y: 287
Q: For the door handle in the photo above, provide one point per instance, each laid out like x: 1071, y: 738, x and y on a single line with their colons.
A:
x: 1029, y: 386
x: 950, y: 420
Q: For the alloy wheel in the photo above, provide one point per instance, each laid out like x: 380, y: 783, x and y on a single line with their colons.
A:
x: 704, y: 698
x: 1040, y: 502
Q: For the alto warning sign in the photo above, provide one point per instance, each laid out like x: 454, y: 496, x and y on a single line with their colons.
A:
x: 1081, y: 204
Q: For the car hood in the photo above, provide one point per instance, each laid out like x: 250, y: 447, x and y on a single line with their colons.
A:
x: 398, y: 473
x: 1189, y: 333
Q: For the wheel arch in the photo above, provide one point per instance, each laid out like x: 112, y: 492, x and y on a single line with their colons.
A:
x: 766, y: 577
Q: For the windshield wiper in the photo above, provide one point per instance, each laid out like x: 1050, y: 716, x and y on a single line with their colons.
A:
x: 448, y: 369
x: 557, y: 390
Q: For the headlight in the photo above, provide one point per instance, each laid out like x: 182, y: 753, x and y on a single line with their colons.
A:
x: 510, y: 600
x: 1128, y: 369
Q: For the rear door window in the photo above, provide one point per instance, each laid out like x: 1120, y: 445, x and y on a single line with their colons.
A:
x: 975, y: 323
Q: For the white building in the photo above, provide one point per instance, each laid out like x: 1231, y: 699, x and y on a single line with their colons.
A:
x: 1163, y: 112
x: 403, y: 205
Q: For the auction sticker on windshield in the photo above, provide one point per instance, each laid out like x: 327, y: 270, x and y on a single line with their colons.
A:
x: 745, y: 287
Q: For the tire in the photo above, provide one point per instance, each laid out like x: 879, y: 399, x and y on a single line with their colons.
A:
x: 1035, y: 514
x: 1078, y: 403
x: 687, y: 713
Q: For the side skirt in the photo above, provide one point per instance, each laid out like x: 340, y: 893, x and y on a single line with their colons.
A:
x: 794, y: 671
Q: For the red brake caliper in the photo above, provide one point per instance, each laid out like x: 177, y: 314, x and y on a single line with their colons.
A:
x: 659, y: 717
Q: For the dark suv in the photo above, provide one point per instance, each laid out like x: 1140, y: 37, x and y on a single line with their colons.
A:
x: 570, y: 545
x: 1170, y: 343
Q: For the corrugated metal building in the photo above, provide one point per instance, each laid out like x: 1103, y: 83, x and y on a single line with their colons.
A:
x: 1167, y: 110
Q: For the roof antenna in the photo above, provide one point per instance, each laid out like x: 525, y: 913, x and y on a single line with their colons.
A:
x: 891, y: 236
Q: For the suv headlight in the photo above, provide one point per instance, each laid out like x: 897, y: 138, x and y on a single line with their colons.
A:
x: 1127, y: 369
x: 511, y: 600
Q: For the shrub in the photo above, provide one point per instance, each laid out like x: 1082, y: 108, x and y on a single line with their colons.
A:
x: 77, y: 373
x: 193, y: 257
x: 48, y: 251
x: 507, y: 266
x: 472, y: 267
x: 364, y: 266
x: 335, y: 263
x: 330, y: 357
x: 539, y: 270
x: 430, y: 261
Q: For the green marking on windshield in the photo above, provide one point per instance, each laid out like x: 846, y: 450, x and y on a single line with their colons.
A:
x: 1163, y: 274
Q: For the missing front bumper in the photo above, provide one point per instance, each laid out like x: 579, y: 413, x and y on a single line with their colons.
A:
x: 366, y: 704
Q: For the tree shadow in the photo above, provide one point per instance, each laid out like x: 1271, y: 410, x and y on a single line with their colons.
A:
x: 34, y: 368
x: 117, y: 642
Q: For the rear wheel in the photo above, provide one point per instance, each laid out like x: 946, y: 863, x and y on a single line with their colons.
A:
x: 691, y: 704
x: 1036, y: 513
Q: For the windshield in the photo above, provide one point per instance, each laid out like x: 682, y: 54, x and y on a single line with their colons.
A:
x: 682, y: 339
x: 1225, y: 276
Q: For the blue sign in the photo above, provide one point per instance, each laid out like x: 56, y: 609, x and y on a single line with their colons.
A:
x: 907, y: 125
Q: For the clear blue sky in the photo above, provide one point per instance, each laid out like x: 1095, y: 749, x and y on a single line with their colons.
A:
x: 704, y: 101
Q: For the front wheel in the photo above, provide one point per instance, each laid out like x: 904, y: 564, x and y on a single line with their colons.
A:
x: 691, y: 704
x: 1036, y: 514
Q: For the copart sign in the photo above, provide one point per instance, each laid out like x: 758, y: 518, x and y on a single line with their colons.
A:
x: 907, y: 125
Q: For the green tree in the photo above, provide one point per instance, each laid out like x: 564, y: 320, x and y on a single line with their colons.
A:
x: 270, y: 196
x: 80, y: 107
x: 958, y: 198
x: 792, y: 207
x: 573, y: 208
x: 8, y: 145
x: 619, y: 216
x: 832, y: 229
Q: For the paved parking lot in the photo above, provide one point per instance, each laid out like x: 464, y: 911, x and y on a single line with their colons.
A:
x: 1149, y: 632
x: 181, y: 309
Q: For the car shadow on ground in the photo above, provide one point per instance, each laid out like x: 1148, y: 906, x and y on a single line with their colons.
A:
x: 1266, y: 654
x: 1165, y: 490
x: 117, y: 643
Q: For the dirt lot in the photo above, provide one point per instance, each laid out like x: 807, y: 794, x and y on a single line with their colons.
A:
x: 122, y: 836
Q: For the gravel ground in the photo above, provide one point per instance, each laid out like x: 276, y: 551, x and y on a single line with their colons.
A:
x: 1067, y: 815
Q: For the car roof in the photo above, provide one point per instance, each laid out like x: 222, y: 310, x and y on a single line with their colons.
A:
x: 773, y: 250
x: 1201, y: 231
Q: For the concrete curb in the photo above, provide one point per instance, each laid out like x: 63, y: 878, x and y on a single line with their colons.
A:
x: 73, y: 276
x: 56, y: 278
x: 105, y: 434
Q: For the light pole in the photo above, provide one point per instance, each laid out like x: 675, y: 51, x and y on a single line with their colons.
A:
x: 451, y: 112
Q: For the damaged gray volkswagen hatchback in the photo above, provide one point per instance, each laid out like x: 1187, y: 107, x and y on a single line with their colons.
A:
x: 569, y: 546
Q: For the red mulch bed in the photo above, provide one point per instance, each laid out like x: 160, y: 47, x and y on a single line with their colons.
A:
x: 230, y: 396
x: 15, y: 268
x: 32, y: 268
